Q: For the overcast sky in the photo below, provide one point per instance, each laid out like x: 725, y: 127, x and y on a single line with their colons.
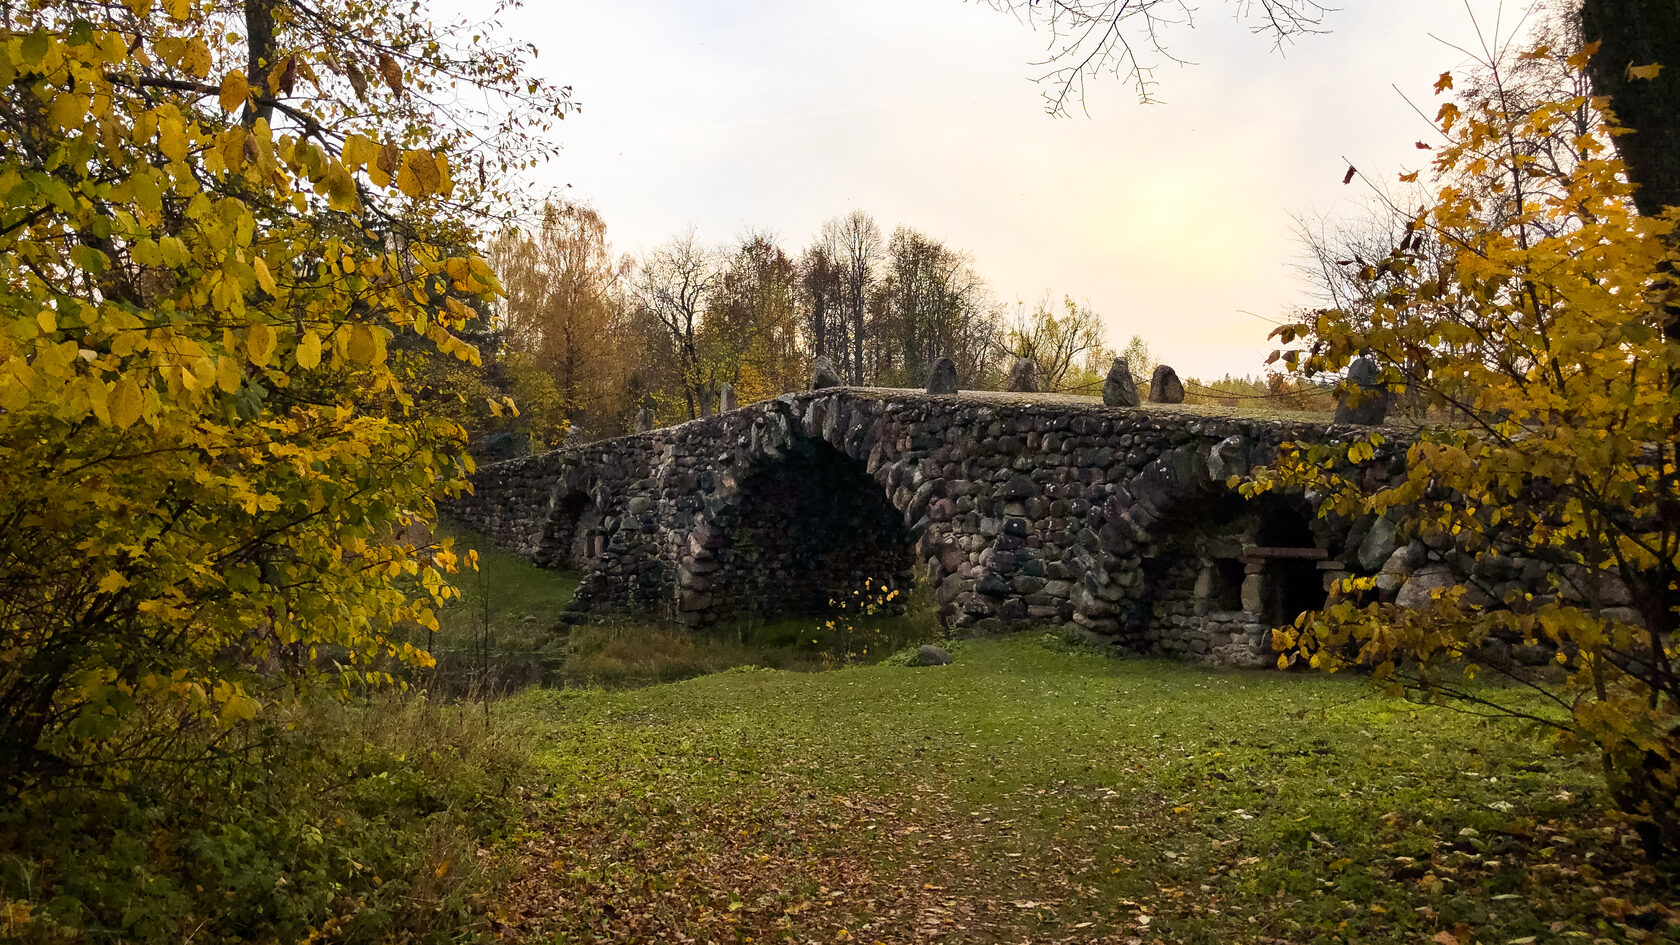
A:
x: 1172, y: 220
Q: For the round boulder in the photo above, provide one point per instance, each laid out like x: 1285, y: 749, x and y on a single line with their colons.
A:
x: 930, y: 655
x: 823, y: 374
x: 943, y: 378
x: 1165, y: 387
x: 1365, y: 397
x: 1023, y: 377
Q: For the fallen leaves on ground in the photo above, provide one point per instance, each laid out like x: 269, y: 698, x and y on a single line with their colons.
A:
x: 871, y: 807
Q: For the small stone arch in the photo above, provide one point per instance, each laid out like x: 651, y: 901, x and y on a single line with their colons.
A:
x: 573, y: 538
x: 797, y: 527
x: 1209, y: 573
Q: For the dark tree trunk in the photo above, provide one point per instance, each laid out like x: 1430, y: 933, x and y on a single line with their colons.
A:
x: 1642, y: 33
x: 259, y: 33
x: 857, y: 347
x: 1639, y: 33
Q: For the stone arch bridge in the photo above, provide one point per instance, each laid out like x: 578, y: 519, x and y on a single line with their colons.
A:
x: 1019, y: 509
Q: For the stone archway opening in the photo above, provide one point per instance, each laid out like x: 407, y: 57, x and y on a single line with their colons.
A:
x: 1224, y: 572
x: 1197, y: 595
x: 810, y: 527
x: 572, y: 538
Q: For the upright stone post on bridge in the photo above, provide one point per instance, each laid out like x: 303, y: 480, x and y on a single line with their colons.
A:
x: 644, y: 420
x: 1165, y: 387
x: 823, y: 374
x: 943, y: 378
x: 726, y: 398
x: 1023, y: 377
x: 1365, y: 397
x: 1119, y: 390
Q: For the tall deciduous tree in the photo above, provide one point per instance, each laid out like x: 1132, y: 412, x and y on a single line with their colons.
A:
x: 932, y: 304
x: 561, y: 313
x: 752, y: 326
x: 674, y: 286
x: 1056, y: 343
x: 220, y: 217
x: 853, y: 243
x: 819, y: 283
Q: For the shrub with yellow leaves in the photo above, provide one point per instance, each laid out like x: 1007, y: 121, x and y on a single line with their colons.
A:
x: 216, y: 232
x: 1543, y: 330
x: 856, y: 624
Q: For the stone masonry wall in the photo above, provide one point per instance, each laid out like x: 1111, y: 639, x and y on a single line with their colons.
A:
x: 1018, y: 508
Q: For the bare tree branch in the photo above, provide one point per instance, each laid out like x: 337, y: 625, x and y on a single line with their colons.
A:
x: 1090, y: 38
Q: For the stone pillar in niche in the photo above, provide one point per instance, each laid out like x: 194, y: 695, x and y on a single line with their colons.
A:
x: 1203, y: 592
x: 1332, y: 572
x: 1253, y: 588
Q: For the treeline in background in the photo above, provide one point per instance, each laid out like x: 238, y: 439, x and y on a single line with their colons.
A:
x: 585, y: 338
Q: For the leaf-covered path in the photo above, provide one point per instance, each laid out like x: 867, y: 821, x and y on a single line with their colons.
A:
x: 1031, y: 794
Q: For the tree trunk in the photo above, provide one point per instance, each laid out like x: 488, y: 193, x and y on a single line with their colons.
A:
x: 1642, y: 33
x: 857, y: 341
x: 1639, y: 33
x: 259, y: 33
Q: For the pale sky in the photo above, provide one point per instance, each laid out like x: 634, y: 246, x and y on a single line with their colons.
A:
x: 1172, y: 220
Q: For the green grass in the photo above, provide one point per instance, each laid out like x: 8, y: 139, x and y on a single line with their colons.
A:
x: 1032, y: 791
x: 1041, y: 793
x: 506, y: 631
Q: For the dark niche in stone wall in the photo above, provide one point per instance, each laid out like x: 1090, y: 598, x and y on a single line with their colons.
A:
x: 1282, y: 522
x: 1287, y: 557
x: 810, y: 527
x: 1224, y: 572
x: 1225, y: 580
x: 572, y: 536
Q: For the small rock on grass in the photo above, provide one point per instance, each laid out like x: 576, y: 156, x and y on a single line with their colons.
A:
x: 930, y: 655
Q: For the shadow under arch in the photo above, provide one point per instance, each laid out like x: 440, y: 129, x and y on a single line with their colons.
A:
x: 806, y: 527
x: 572, y: 537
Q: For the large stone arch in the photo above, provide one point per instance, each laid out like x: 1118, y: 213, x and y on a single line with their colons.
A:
x: 801, y: 523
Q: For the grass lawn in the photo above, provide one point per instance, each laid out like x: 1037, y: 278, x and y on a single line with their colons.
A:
x: 1034, y: 792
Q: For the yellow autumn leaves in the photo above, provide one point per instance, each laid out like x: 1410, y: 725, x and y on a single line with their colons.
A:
x: 416, y: 173
x: 204, y: 437
x: 1525, y: 311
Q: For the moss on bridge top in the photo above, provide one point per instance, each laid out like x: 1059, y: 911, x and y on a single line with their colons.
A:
x: 1256, y: 411
x: 1086, y: 401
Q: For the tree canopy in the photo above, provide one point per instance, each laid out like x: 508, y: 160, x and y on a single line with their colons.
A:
x: 223, y: 221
